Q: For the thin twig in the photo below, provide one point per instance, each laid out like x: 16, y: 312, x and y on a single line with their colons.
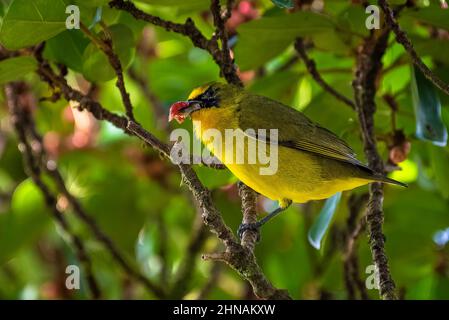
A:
x: 227, y: 66
x: 229, y: 6
x: 402, y: 38
x: 107, y: 47
x: 187, y: 29
x: 311, y: 67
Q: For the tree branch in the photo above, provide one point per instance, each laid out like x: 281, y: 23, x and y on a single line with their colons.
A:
x: 227, y: 66
x: 402, y: 38
x: 369, y: 65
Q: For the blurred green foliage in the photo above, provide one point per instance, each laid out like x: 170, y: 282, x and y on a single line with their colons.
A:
x: 138, y: 199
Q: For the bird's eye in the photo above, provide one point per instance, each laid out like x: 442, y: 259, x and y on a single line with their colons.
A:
x: 208, y: 93
x: 208, y: 98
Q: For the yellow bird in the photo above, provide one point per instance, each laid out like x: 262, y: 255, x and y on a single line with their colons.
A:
x: 312, y: 162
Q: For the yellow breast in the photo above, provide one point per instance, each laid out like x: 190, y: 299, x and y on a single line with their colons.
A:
x: 299, y: 176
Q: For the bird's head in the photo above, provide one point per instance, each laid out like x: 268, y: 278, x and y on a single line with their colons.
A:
x: 211, y: 95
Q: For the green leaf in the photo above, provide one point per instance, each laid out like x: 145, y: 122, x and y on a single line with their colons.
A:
x: 214, y: 179
x: 439, y: 158
x: 427, y: 106
x: 26, y: 220
x: 278, y: 32
x: 433, y: 15
x: 92, y: 3
x: 436, y: 48
x: 288, y: 4
x: 15, y: 68
x: 111, y: 206
x: 29, y: 22
x: 96, y: 65
x: 177, y: 3
x: 147, y: 250
x: 181, y: 7
x: 67, y: 48
x: 353, y: 18
x: 321, y: 224
x: 281, y: 86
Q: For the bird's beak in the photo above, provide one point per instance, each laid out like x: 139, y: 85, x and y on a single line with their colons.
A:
x: 182, y: 109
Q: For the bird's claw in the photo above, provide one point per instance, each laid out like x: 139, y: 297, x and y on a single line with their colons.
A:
x: 247, y: 227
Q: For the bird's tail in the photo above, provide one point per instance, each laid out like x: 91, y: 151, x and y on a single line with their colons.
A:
x: 384, y: 179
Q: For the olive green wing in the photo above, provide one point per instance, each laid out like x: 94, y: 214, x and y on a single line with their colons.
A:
x: 295, y: 130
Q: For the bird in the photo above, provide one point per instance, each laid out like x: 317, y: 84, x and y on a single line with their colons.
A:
x: 313, y: 163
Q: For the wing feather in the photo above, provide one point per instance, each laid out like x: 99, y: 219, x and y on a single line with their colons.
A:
x: 295, y: 129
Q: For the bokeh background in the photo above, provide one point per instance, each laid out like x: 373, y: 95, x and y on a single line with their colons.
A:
x: 138, y: 200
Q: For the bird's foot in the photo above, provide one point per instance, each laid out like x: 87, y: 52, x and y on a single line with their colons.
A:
x: 249, y: 227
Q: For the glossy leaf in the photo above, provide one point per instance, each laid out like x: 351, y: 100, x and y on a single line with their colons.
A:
x: 67, y: 48
x: 15, y: 68
x: 427, y: 106
x: 440, y: 163
x: 29, y: 22
x: 280, y: 86
x: 173, y: 3
x: 433, y: 15
x: 28, y: 217
x: 436, y: 48
x: 278, y: 33
x: 216, y: 180
x: 180, y: 5
x: 287, y: 4
x: 321, y: 224
x: 87, y: 9
x: 93, y: 3
x: 147, y: 250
